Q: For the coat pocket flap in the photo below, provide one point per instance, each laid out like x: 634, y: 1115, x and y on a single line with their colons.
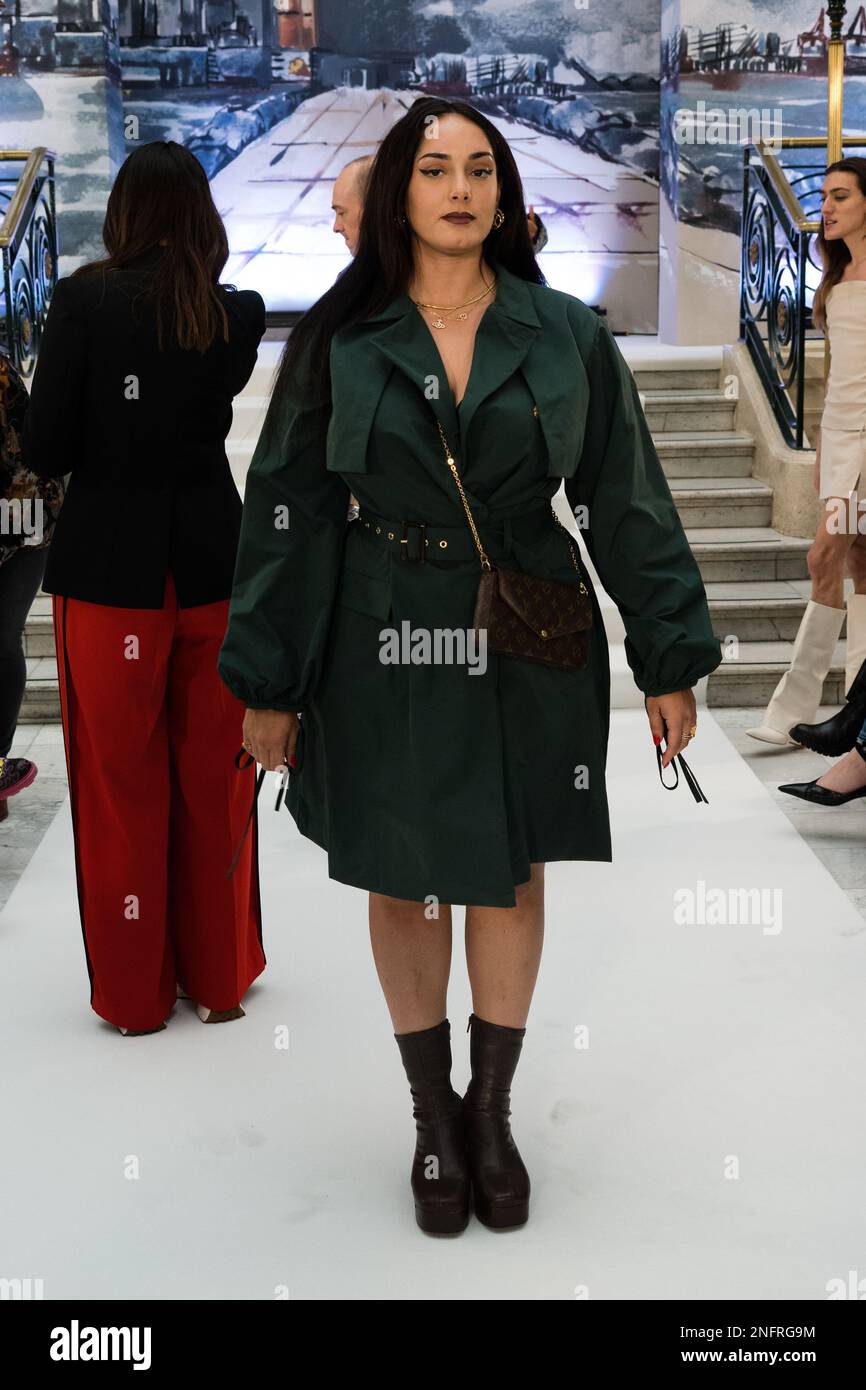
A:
x: 549, y: 608
x: 364, y: 593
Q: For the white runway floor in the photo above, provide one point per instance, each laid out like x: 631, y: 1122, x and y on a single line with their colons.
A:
x: 711, y: 1046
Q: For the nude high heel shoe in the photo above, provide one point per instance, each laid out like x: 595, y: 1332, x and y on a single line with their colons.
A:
x: 213, y: 1015
x: 218, y: 1015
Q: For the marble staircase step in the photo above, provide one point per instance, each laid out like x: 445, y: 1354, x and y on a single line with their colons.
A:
x: 671, y: 411
x: 755, y: 553
x: 705, y: 453
x: 722, y: 501
x: 675, y: 378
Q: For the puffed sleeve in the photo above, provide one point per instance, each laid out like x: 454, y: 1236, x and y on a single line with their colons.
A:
x: 634, y: 534
x: 290, y: 553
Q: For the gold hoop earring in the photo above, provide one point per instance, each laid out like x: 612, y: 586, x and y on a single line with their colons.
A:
x: 498, y: 219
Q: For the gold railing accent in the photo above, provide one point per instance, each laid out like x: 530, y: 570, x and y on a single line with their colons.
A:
x: 23, y: 188
x: 792, y: 203
x: 836, y: 50
x: 780, y: 182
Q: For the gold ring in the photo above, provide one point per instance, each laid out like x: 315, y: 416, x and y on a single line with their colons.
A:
x: 693, y: 731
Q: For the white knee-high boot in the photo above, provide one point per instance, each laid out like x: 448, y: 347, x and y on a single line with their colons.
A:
x: 798, y: 694
x: 855, y: 651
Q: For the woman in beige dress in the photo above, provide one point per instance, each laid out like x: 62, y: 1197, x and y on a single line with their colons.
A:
x: 840, y: 309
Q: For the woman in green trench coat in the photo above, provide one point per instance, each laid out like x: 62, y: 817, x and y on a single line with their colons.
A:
x: 431, y: 774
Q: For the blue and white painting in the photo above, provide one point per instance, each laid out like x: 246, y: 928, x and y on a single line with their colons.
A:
x: 275, y: 100
x: 764, y: 58
x: 275, y: 96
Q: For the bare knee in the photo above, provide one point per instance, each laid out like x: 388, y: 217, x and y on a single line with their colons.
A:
x: 826, y: 561
x: 823, y: 561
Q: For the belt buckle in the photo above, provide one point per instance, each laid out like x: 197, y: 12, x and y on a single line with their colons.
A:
x: 422, y: 542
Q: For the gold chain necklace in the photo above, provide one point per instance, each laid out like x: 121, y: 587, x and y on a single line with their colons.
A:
x: 439, y: 322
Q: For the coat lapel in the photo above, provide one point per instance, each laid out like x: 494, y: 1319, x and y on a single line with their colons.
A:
x: 362, y: 360
x: 358, y: 378
x: 510, y: 337
x: 409, y: 345
x: 506, y: 335
x: 548, y: 357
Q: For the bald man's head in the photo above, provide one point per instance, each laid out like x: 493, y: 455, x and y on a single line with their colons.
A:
x: 350, y: 190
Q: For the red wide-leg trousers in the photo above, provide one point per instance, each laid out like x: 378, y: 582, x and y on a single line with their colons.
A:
x: 158, y: 808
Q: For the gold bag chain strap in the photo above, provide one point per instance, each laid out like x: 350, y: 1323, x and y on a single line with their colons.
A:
x: 485, y: 561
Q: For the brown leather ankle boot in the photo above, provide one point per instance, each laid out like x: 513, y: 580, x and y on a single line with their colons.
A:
x: 440, y: 1174
x: 500, y: 1182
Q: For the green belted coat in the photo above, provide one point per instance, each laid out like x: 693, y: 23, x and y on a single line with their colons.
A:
x: 428, y: 779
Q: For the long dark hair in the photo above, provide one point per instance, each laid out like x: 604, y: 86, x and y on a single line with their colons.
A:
x: 383, y: 266
x: 161, y: 194
x: 835, y: 254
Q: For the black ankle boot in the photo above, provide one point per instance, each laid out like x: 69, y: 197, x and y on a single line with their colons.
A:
x: 838, y: 734
x: 500, y: 1182
x: 440, y: 1173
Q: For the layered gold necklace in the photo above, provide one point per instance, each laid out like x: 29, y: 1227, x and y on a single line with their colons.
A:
x: 449, y: 310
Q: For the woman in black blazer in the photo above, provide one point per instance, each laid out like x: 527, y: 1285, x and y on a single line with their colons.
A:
x: 140, y: 358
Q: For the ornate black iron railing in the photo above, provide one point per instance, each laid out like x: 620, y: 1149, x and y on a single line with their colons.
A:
x: 774, y: 314
x: 781, y: 268
x: 28, y: 251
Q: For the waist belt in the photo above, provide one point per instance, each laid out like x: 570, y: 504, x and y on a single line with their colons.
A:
x: 420, y: 541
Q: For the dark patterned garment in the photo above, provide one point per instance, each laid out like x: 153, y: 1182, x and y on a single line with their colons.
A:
x: 31, y: 521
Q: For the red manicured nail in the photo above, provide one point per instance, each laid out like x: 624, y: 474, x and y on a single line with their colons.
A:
x: 292, y: 760
x: 657, y: 738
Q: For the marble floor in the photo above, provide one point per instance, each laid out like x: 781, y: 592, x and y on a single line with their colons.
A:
x: 837, y: 836
x: 683, y: 1101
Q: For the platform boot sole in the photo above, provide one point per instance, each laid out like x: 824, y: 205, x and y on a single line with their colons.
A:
x: 441, y: 1223
x: 500, y: 1218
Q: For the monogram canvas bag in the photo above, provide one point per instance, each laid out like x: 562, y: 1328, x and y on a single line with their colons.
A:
x: 524, y: 615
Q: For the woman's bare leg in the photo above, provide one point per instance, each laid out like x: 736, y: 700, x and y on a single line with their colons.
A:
x: 503, y: 953
x: 412, y: 953
x: 827, y: 556
x: 847, y: 775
